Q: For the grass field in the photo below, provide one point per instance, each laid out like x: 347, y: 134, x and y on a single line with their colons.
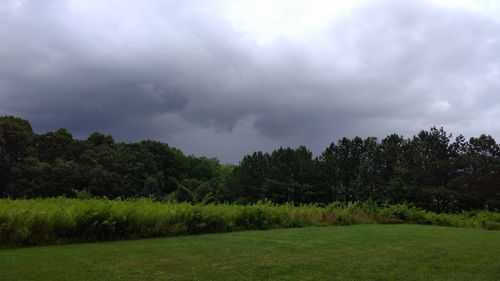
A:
x: 358, y: 252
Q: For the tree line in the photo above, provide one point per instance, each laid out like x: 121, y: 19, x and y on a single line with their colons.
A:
x: 432, y: 170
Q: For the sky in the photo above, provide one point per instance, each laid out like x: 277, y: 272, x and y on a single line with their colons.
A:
x: 227, y: 78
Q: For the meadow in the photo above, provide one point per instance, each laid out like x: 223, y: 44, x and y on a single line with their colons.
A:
x: 357, y: 252
x: 62, y: 220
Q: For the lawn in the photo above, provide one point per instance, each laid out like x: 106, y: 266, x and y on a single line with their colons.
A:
x: 357, y: 252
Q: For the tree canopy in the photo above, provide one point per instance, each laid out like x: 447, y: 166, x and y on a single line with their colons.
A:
x: 431, y: 170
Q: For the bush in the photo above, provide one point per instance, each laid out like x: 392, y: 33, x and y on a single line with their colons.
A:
x: 63, y: 220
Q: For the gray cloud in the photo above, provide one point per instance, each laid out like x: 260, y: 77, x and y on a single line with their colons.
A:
x: 178, y: 71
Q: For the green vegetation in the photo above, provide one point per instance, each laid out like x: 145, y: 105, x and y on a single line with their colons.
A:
x: 360, y: 252
x: 97, y: 190
x: 62, y: 220
x: 431, y: 171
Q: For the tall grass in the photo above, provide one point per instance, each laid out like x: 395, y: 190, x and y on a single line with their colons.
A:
x: 62, y: 220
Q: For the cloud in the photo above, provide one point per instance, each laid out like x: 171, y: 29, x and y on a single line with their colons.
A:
x: 185, y: 72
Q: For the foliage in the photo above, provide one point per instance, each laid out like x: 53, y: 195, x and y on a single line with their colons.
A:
x: 431, y: 170
x: 62, y: 220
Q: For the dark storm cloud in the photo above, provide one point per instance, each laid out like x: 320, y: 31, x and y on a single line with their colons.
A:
x: 181, y: 72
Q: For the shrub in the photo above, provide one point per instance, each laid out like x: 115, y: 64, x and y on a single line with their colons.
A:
x: 63, y: 220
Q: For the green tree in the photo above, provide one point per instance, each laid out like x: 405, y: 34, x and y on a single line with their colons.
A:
x: 16, y: 144
x: 59, y: 144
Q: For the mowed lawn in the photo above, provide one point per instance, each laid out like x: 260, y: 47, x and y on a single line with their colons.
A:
x: 358, y: 252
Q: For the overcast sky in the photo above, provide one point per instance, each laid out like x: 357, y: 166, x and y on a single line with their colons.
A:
x: 226, y: 78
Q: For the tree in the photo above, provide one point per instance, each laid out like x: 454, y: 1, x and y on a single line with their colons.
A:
x: 16, y: 140
x: 98, y: 139
x: 428, y: 170
x: 33, y: 178
x: 484, y: 158
x: 428, y: 158
x: 59, y: 144
x: 249, y: 176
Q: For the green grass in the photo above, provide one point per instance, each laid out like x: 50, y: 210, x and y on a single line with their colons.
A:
x: 358, y: 252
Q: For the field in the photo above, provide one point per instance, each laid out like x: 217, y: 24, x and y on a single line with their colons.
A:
x: 358, y: 252
x: 357, y: 241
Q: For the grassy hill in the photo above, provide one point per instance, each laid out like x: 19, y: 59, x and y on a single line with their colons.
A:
x: 358, y: 252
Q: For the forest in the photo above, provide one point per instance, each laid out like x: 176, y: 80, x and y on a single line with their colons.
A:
x: 433, y: 170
